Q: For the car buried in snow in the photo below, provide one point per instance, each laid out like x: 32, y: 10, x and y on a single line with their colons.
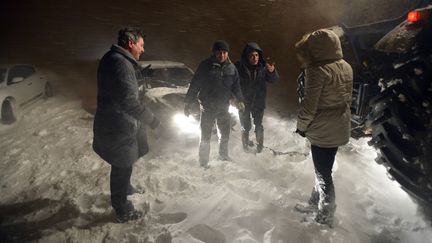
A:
x: 20, y: 85
x: 392, y: 94
x: 163, y: 86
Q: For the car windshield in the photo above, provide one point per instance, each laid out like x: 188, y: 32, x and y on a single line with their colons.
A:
x: 2, y: 75
x: 159, y: 74
x: 180, y: 76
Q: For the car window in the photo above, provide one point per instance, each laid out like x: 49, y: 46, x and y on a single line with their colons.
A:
x: 180, y: 76
x: 2, y: 75
x: 23, y: 71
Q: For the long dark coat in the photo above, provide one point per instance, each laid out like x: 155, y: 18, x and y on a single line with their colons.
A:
x: 119, y: 126
x: 254, y: 90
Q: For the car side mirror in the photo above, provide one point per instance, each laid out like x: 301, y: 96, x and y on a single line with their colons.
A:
x: 17, y: 80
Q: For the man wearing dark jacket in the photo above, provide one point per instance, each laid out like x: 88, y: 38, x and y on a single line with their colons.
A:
x: 214, y: 83
x: 119, y: 124
x: 254, y: 73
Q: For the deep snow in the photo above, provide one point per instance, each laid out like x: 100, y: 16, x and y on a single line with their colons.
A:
x: 54, y: 188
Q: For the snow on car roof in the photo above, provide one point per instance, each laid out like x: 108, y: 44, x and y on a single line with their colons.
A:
x: 161, y: 64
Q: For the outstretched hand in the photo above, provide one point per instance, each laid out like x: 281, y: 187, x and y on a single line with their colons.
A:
x: 270, y: 67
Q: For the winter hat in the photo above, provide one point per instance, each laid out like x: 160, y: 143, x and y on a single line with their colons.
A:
x: 220, y: 45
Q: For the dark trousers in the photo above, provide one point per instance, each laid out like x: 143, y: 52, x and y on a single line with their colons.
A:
x: 223, y: 121
x: 323, y: 159
x: 245, y: 119
x: 119, y: 183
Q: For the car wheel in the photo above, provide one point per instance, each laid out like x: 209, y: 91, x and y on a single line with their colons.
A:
x: 8, y: 112
x: 48, y: 90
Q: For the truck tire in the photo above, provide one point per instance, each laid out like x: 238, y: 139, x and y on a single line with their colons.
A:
x: 401, y: 131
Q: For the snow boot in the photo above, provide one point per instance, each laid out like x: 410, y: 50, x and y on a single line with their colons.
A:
x: 326, y: 206
x: 132, y: 190
x: 127, y: 212
x: 326, y: 215
x: 306, y: 208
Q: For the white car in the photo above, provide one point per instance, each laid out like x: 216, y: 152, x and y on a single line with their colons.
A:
x: 20, y: 85
x: 159, y: 73
x: 165, y: 84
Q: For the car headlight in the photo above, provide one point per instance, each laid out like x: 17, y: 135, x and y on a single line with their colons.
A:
x: 186, y: 124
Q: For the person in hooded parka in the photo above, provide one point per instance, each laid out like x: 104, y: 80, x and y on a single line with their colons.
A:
x: 255, y: 72
x: 324, y: 117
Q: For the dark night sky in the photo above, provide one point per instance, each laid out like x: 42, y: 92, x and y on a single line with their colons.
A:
x: 76, y: 30
x: 52, y: 32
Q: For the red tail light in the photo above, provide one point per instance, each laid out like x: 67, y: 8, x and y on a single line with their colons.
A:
x: 413, y: 16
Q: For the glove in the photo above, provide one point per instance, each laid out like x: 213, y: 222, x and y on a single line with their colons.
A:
x: 241, y: 106
x: 187, y: 110
x: 301, y: 133
x: 155, y: 123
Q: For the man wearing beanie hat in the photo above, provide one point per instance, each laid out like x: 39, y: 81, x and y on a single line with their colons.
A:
x: 220, y: 45
x: 254, y: 73
x: 215, y: 81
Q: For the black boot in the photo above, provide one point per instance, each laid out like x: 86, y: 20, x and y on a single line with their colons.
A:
x: 132, y: 190
x: 326, y: 206
x: 127, y: 212
x: 260, y: 140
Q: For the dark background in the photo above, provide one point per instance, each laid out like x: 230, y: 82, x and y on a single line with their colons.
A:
x: 68, y: 37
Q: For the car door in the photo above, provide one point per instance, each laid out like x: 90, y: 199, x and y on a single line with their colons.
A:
x: 21, y: 90
x: 37, y: 80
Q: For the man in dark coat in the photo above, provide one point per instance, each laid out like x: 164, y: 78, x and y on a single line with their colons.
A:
x: 214, y: 83
x: 119, y: 124
x: 254, y: 73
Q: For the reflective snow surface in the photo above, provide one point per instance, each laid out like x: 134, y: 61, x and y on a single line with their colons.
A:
x: 55, y: 188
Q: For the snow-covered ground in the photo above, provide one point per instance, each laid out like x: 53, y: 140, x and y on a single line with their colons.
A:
x: 54, y: 188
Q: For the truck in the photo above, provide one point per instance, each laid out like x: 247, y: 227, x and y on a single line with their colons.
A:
x: 392, y: 94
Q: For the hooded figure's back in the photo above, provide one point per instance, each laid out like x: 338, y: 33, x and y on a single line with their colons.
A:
x: 325, y: 112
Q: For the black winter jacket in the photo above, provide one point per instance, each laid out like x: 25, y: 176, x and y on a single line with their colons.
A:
x: 254, y: 91
x: 214, y: 84
x: 119, y: 136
